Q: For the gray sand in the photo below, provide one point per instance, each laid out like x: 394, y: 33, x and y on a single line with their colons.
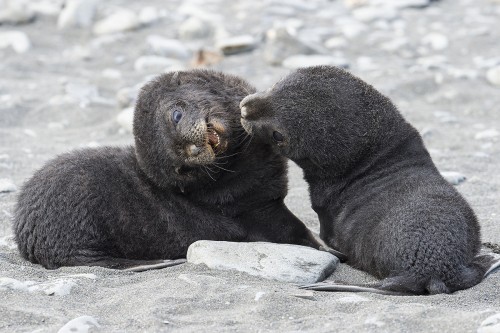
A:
x: 450, y: 102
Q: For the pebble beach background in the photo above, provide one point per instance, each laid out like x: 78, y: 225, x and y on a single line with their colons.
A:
x: 69, y: 74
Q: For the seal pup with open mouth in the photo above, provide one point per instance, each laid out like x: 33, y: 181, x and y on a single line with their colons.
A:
x: 379, y: 197
x: 193, y: 174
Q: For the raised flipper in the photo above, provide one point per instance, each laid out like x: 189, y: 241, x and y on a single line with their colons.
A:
x: 321, y: 245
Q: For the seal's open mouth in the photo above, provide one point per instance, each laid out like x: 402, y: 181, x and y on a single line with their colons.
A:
x: 213, y: 137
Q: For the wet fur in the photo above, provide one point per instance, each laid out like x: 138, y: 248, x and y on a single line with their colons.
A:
x: 125, y: 207
x: 379, y: 197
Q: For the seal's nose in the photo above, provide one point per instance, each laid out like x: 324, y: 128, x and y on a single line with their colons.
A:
x: 193, y: 150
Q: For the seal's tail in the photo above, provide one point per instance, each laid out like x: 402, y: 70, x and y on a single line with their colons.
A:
x: 405, y: 285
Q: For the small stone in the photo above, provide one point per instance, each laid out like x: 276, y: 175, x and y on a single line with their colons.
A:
x: 111, y: 73
x: 167, y: 47
x: 16, y: 12
x: 83, y: 93
x: 46, y: 7
x: 149, y: 15
x: 126, y: 119
x: 369, y: 14
x: 6, y: 185
x: 394, y: 44
x: 281, y: 262
x: 493, y: 76
x: 436, y: 41
x: 366, y: 64
x: 258, y: 295
x: 79, y: 325
x: 281, y: 44
x: 411, y: 3
x: 18, y: 40
x: 77, y: 53
x: 194, y: 28
x: 155, y: 63
x: 490, y: 324
x: 336, y: 43
x: 305, y: 294
x: 123, y: 20
x: 237, y: 44
x: 453, y: 177
x: 435, y: 61
x: 487, y: 134
x: 77, y: 13
x: 301, y: 60
x: 445, y: 117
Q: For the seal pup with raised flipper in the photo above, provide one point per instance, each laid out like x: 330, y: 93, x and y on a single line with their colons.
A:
x: 193, y: 174
x: 379, y: 197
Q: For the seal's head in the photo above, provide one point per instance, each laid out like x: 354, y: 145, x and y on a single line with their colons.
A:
x: 320, y: 116
x: 185, y: 122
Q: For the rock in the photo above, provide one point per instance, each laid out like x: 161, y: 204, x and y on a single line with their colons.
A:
x: 369, y: 14
x: 493, y: 76
x: 281, y: 44
x: 167, y: 47
x: 411, y: 3
x: 453, y: 177
x: 149, y: 15
x: 18, y: 40
x: 305, y: 294
x: 123, y: 20
x: 484, y: 63
x: 206, y: 58
x: 436, y: 41
x: 487, y: 134
x: 281, y: 262
x: 126, y: 119
x: 366, y: 64
x: 236, y: 44
x: 156, y: 63
x: 302, y: 60
x: 6, y: 185
x: 445, y: 117
x: 79, y: 325
x: 77, y: 13
x: 77, y: 53
x: 394, y: 44
x: 16, y: 12
x: 194, y: 28
x: 46, y: 7
x: 490, y: 324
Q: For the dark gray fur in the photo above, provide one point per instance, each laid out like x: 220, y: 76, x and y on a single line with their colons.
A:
x: 379, y: 197
x: 123, y: 207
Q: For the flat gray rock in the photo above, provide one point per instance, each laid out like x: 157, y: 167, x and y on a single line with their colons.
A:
x: 281, y: 262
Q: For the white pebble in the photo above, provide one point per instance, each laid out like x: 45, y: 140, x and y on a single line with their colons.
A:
x: 111, y: 73
x: 436, y: 41
x: 490, y: 324
x: 123, y: 20
x: 236, y: 44
x: 194, y: 28
x: 453, y: 177
x: 368, y: 14
x: 79, y: 325
x: 258, y: 295
x: 493, y: 76
x: 30, y: 132
x: 149, y: 15
x: 15, y: 12
x: 126, y: 119
x: 167, y: 47
x: 487, y: 134
x: 18, y: 40
x: 77, y: 13
x: 336, y: 43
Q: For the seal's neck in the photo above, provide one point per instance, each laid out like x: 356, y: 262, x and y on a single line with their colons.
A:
x: 393, y: 154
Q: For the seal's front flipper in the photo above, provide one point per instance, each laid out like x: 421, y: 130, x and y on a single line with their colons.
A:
x: 342, y: 257
x: 158, y: 265
x: 327, y: 286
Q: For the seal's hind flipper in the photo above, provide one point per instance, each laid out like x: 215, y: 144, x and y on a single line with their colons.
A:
x: 495, y: 264
x: 327, y: 286
x: 160, y: 265
x: 132, y: 265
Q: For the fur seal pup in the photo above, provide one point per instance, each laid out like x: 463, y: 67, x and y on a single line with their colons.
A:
x: 193, y: 174
x: 379, y: 197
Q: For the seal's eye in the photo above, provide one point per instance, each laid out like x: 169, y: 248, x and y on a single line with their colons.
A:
x: 278, y: 137
x: 176, y: 116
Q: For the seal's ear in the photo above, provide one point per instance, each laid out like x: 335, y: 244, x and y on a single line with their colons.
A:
x: 254, y: 106
x: 176, y: 79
